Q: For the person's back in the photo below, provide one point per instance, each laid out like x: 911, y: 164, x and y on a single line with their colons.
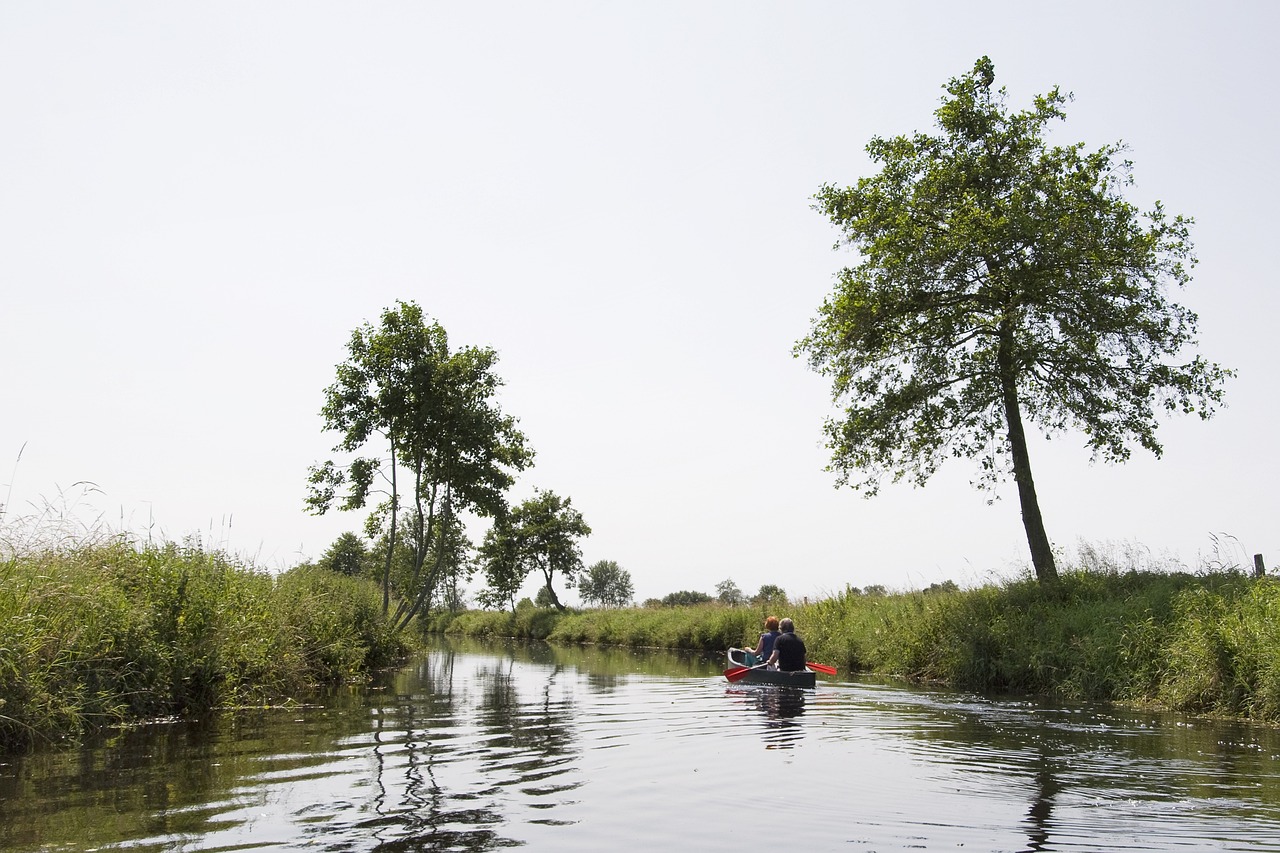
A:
x: 789, y: 650
x: 766, y: 643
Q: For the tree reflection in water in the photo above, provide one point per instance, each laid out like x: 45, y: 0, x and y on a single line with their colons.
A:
x: 1039, y: 823
x: 517, y: 744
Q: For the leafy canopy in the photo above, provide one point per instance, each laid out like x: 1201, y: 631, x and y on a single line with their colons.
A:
x: 606, y: 584
x: 727, y: 592
x: 441, y: 446
x: 541, y: 534
x: 1000, y: 277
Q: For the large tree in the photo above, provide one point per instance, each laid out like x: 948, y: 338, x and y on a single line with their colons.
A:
x: 442, y: 445
x: 541, y: 534
x: 1002, y: 280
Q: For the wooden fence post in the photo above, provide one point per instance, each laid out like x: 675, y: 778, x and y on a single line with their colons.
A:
x: 1258, y: 569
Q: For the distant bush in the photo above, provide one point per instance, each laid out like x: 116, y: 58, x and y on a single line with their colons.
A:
x: 685, y: 598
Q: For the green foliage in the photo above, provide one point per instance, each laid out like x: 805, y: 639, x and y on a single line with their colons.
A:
x: 1205, y: 643
x: 1001, y: 278
x: 445, y: 447
x: 525, y: 623
x: 770, y: 595
x: 104, y: 634
x: 685, y: 598
x: 606, y: 584
x: 346, y: 556
x: 701, y: 628
x: 1224, y: 659
x: 727, y: 592
x: 539, y: 535
x: 1190, y: 642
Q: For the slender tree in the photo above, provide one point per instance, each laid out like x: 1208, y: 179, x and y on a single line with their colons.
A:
x: 443, y: 446
x: 1002, y: 281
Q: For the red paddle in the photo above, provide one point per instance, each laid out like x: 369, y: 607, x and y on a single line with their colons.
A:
x: 740, y: 672
x: 820, y: 667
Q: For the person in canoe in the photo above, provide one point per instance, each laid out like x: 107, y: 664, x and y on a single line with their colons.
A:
x: 788, y: 649
x: 764, y: 648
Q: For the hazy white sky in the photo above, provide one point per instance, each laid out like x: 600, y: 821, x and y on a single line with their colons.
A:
x: 200, y: 201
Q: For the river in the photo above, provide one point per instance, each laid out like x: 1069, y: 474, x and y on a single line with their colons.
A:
x: 486, y: 746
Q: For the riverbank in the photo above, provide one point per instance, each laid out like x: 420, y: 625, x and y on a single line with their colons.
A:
x: 1197, y: 643
x: 107, y: 634
x: 110, y: 633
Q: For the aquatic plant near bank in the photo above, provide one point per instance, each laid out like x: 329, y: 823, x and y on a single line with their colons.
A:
x: 108, y: 633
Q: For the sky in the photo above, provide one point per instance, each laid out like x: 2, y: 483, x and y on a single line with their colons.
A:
x: 200, y: 201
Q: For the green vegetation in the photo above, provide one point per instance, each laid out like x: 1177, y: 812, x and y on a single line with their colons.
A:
x: 682, y: 598
x: 606, y: 584
x: 727, y: 592
x: 113, y: 632
x: 541, y: 535
x: 1198, y: 643
x: 442, y: 447
x: 1001, y: 279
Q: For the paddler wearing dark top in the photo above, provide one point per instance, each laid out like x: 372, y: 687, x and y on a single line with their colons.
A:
x: 788, y: 650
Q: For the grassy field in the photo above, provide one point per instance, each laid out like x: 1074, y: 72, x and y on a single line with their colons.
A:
x: 1201, y: 643
x: 108, y: 633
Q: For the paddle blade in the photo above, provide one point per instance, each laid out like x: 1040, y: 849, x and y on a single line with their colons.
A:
x: 738, y: 673
x: 821, y: 667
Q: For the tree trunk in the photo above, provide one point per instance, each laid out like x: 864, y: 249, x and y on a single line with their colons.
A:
x: 391, y: 538
x: 427, y: 588
x: 551, y: 592
x: 1032, y: 522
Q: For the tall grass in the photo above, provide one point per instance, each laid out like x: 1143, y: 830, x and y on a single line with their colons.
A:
x: 108, y: 632
x: 1200, y: 643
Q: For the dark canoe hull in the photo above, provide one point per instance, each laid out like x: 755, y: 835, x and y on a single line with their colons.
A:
x: 805, y: 678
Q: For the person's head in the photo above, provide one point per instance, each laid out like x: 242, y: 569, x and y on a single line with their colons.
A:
x: 771, y: 624
x: 787, y: 626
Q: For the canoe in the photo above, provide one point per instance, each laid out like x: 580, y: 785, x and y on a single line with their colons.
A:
x: 804, y: 678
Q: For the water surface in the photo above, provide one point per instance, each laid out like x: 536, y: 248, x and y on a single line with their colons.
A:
x: 483, y: 747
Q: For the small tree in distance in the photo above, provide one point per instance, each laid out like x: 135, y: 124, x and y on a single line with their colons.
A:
x: 727, y: 592
x: 770, y: 594
x: 606, y: 584
x: 346, y: 555
x: 541, y: 534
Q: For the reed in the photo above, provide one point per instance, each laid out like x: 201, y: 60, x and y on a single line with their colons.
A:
x: 1205, y: 643
x: 111, y: 632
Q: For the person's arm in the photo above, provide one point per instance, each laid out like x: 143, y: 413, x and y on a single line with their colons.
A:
x: 760, y: 648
